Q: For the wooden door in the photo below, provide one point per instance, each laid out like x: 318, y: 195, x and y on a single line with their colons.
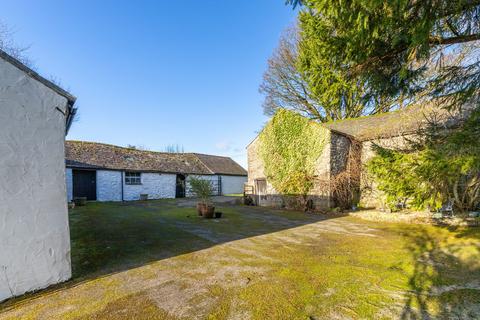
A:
x: 180, y: 186
x: 85, y: 184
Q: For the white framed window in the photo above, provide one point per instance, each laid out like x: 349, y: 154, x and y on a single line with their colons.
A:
x: 133, y: 178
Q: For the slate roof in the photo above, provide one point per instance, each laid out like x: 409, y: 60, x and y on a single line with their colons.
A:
x: 396, y: 123
x: 389, y: 124
x: 93, y: 155
x: 221, y: 165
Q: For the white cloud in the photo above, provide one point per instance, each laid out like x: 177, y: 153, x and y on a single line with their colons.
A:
x: 224, y: 145
x: 230, y: 149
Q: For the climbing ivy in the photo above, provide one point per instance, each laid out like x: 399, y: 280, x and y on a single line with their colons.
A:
x: 290, y: 146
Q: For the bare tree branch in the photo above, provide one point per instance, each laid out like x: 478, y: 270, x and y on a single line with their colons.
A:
x: 8, y: 45
x: 283, y: 86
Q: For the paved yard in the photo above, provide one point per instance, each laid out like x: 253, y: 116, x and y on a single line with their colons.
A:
x: 159, y: 260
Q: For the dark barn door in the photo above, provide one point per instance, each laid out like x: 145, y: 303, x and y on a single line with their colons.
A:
x: 180, y: 189
x: 85, y: 184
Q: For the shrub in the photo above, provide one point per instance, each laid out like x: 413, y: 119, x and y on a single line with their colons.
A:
x: 395, y: 175
x: 443, y: 167
x: 201, y: 188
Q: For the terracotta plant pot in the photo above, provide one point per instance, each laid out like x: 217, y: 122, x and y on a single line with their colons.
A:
x: 208, y: 212
x: 200, y: 208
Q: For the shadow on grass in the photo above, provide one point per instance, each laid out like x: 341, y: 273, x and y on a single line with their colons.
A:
x: 114, y: 237
x: 111, y: 237
x: 107, y: 238
x: 441, y: 285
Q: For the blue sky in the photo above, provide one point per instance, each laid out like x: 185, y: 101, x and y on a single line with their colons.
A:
x: 156, y: 73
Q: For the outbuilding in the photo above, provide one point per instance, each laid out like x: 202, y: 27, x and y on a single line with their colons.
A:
x: 105, y: 172
x: 339, y: 176
x: 34, y: 234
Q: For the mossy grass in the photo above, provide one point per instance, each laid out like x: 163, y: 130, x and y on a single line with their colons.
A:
x: 157, y: 260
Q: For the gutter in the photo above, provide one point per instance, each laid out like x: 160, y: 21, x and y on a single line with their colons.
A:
x: 71, y: 112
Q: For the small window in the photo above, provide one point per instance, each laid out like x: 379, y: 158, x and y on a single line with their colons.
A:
x: 133, y: 178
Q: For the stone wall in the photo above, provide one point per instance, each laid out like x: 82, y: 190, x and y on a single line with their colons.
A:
x: 320, y: 194
x: 346, y: 170
x: 254, y: 163
x: 109, y: 185
x: 339, y: 152
x: 256, y: 172
x: 34, y: 232
x: 156, y: 185
x: 335, y: 161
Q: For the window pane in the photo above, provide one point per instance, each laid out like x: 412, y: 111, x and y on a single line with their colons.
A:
x: 133, y: 177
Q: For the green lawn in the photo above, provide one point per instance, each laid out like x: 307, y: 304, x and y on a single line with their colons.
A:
x: 159, y: 260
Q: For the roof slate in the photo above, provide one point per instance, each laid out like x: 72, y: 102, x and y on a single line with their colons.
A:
x: 389, y: 124
x: 93, y: 155
x: 221, y: 165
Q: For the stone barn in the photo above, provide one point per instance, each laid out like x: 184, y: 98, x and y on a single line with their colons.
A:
x: 105, y: 172
x: 34, y: 234
x: 339, y: 168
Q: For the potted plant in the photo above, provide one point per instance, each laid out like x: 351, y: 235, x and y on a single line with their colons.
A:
x: 200, y: 208
x: 203, y: 190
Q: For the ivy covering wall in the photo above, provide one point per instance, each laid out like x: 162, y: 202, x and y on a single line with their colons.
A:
x: 290, y: 146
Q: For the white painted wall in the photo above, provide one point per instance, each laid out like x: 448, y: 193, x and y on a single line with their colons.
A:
x: 156, y: 185
x: 233, y: 184
x: 212, y: 178
x: 34, y: 234
x: 109, y: 185
x: 69, y: 181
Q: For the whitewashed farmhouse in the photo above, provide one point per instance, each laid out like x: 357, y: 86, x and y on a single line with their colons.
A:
x: 34, y: 235
x: 104, y: 172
